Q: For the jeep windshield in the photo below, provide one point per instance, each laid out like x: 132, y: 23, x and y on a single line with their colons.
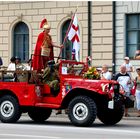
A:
x: 72, y: 68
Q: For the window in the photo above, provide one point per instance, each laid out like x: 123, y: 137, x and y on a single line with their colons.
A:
x: 67, y: 50
x: 133, y: 35
x: 21, y: 41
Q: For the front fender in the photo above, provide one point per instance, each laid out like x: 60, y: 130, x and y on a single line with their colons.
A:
x: 77, y: 92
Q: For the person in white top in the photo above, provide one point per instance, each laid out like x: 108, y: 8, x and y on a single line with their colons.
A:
x: 28, y: 67
x: 124, y: 80
x: 11, y: 66
x: 105, y: 74
x: 128, y: 65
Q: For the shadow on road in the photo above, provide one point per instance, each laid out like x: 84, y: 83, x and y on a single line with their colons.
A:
x: 96, y: 124
x: 30, y: 122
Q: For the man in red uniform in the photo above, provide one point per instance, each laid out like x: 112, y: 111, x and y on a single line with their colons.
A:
x: 44, y: 48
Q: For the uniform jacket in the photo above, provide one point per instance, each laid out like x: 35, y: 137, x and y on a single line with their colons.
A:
x: 37, y: 58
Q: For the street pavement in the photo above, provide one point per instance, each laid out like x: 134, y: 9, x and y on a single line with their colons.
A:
x: 60, y: 127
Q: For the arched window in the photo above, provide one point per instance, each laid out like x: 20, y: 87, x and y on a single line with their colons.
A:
x: 67, y: 50
x: 21, y: 41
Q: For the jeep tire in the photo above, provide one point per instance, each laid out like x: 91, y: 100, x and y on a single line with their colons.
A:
x: 39, y: 114
x: 9, y: 109
x: 82, y: 111
x: 110, y: 116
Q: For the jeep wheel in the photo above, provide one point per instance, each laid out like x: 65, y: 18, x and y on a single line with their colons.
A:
x: 82, y: 111
x: 9, y: 109
x: 39, y: 114
x: 110, y: 116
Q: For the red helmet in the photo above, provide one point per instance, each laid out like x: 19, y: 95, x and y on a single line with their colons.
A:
x: 44, y: 21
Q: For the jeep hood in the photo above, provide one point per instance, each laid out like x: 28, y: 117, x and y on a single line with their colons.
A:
x: 93, y: 85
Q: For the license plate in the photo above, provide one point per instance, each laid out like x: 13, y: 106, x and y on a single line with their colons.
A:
x: 111, y: 104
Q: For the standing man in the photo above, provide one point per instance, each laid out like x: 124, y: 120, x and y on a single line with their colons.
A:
x: 128, y: 65
x: 124, y: 80
x: 44, y: 48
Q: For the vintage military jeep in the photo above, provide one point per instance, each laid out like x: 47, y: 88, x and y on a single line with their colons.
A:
x: 84, y: 98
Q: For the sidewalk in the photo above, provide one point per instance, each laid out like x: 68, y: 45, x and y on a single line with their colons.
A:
x: 132, y: 112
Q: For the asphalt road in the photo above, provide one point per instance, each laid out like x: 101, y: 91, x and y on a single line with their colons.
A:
x: 59, y: 127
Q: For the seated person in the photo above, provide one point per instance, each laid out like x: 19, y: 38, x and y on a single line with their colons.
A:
x: 19, y: 65
x: 10, y: 76
x: 11, y: 66
x: 20, y: 77
x: 51, y: 76
x: 28, y: 67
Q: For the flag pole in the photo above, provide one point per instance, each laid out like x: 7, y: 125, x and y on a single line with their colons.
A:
x: 67, y: 32
x: 69, y: 26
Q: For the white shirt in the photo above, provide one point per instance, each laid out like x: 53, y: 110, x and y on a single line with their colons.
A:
x: 123, y: 80
x: 107, y: 75
x: 28, y: 68
x: 11, y: 67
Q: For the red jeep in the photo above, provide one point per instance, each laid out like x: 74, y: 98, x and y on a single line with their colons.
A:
x: 84, y: 98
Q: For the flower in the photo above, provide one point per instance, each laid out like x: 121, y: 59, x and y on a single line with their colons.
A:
x: 92, y: 73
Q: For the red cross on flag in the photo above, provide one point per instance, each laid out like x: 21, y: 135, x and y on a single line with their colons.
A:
x: 73, y: 35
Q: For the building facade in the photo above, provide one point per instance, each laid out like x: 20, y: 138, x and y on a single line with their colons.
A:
x: 110, y: 43
x: 20, y: 18
x: 102, y: 33
x: 127, y: 32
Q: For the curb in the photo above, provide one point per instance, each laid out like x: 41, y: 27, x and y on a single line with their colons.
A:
x: 131, y: 118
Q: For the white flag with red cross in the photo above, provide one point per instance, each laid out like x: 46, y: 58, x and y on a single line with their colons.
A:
x: 73, y: 35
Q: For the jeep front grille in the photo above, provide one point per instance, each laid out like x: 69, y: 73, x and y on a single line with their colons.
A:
x: 116, y: 88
